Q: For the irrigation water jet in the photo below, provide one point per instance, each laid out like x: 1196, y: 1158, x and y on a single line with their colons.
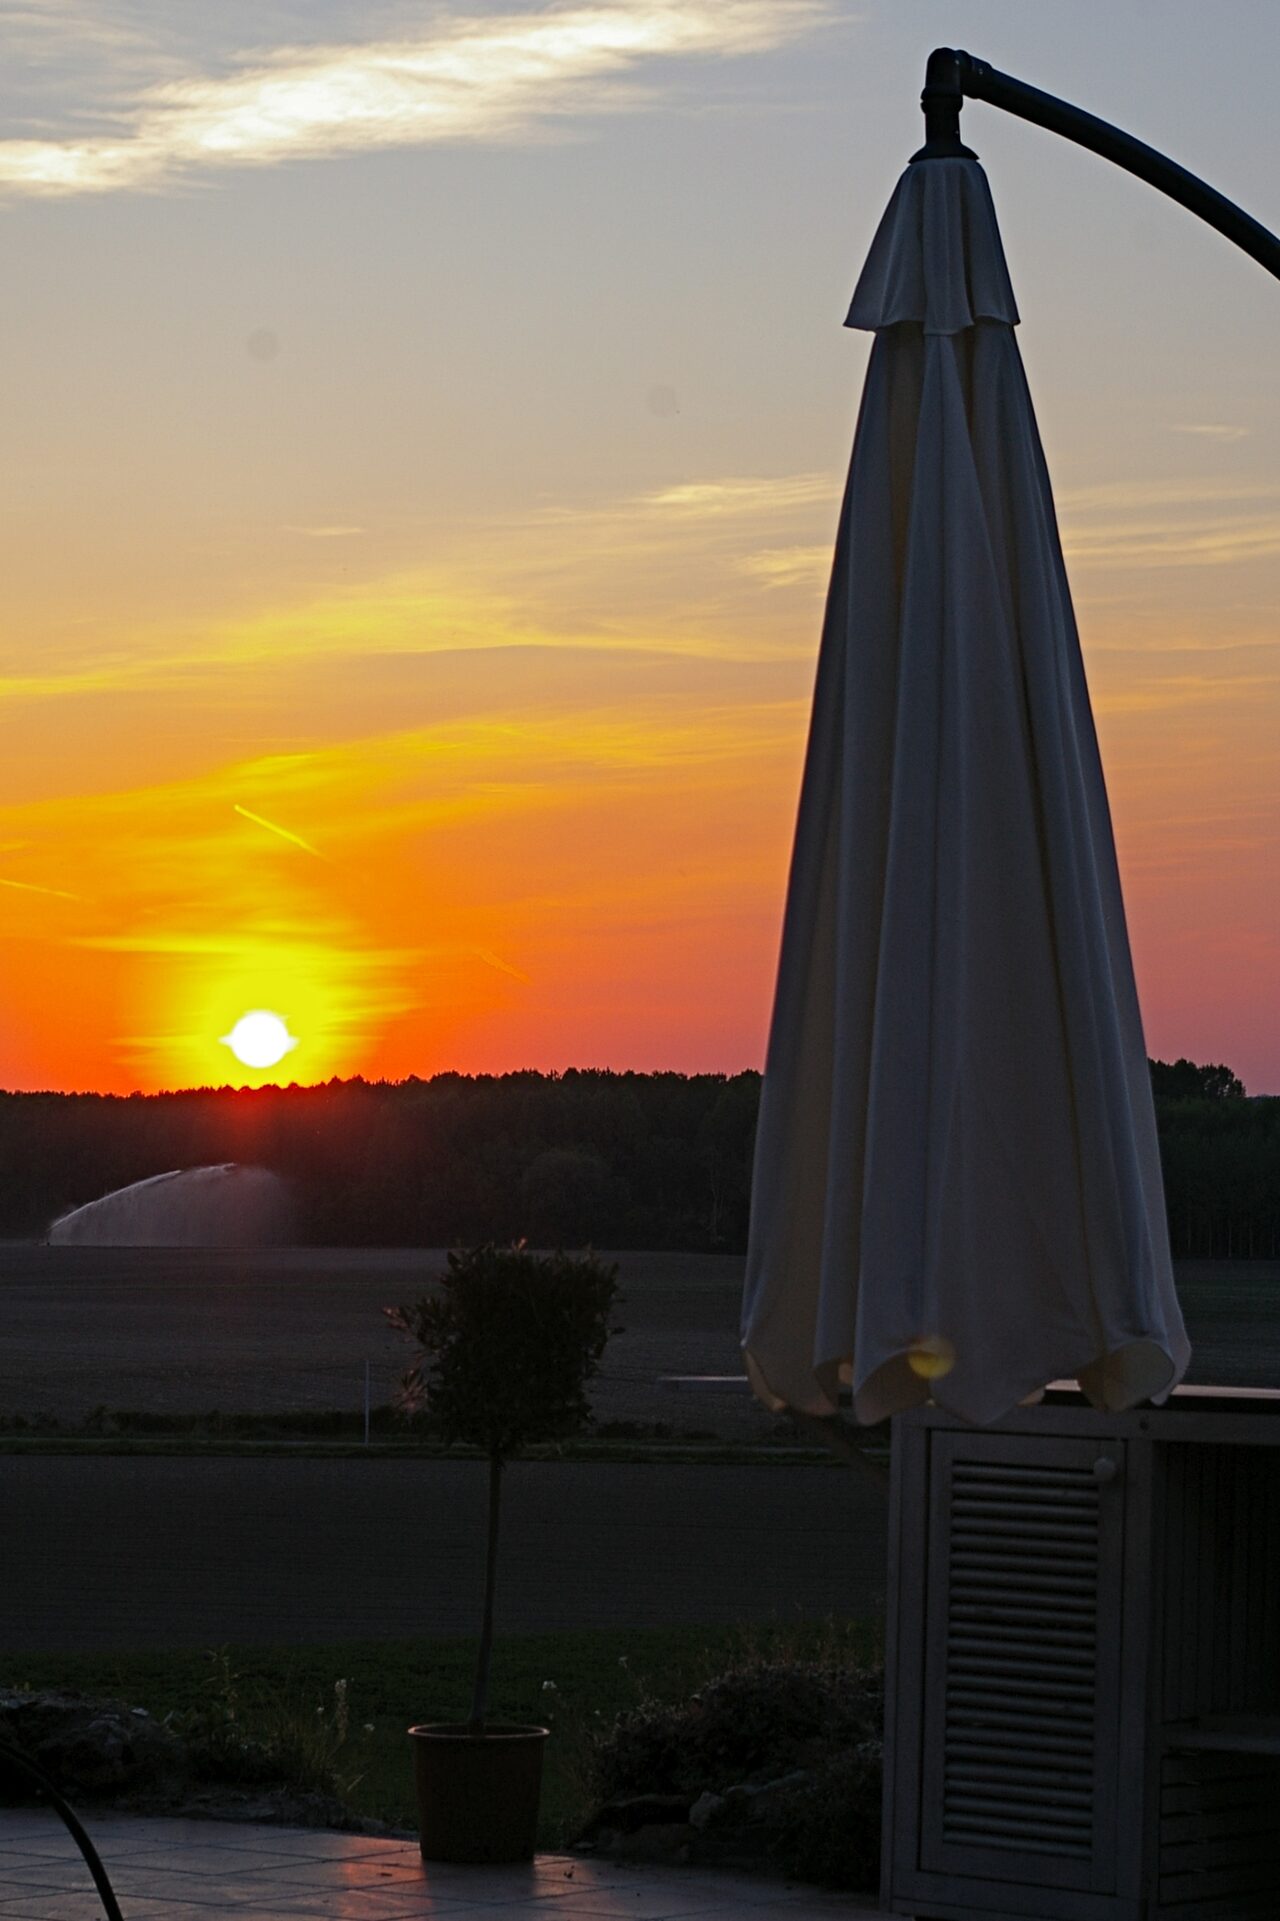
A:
x: 223, y: 1206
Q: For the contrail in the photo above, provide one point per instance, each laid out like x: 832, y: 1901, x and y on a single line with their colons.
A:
x: 503, y: 967
x: 283, y: 832
x: 33, y: 887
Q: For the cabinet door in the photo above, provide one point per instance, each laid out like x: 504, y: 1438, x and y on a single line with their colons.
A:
x: 1022, y: 1659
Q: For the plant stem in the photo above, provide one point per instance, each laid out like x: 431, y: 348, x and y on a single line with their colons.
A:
x: 480, y: 1699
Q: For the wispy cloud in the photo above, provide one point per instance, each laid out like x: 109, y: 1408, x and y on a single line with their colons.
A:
x: 77, y: 60
x: 1199, y: 692
x: 325, y: 533
x: 503, y: 967
x: 1153, y: 543
x: 788, y: 566
x: 1212, y: 430
x: 673, y: 572
x: 284, y: 833
x: 468, y: 77
x: 1111, y: 494
x: 1169, y: 524
x: 34, y: 887
x: 744, y: 496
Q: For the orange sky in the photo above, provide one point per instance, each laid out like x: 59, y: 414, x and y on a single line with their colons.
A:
x: 414, y: 553
x: 559, y: 843
x: 506, y: 827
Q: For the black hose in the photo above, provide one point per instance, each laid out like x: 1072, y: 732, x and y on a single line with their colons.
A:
x: 12, y: 1757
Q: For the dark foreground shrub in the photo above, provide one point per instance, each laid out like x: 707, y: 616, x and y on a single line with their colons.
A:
x: 762, y: 1718
x: 790, y: 1750
x: 828, y: 1829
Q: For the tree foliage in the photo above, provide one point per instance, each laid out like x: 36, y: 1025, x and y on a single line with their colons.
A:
x: 509, y: 1341
x: 1184, y: 1081
x: 611, y: 1160
x: 615, y: 1160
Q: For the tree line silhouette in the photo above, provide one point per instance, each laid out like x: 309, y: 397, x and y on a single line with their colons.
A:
x: 587, y: 1157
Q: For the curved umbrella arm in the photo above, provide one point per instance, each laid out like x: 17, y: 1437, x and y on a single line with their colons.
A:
x: 951, y: 76
x: 24, y: 1765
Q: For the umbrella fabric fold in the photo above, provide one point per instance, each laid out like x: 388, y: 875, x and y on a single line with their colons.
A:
x: 957, y: 1189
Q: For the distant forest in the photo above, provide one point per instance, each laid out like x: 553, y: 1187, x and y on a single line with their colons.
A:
x: 614, y: 1160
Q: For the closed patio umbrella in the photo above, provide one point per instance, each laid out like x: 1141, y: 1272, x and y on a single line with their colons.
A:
x: 957, y: 1188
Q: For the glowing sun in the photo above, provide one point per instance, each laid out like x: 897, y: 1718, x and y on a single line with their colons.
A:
x: 259, y: 1039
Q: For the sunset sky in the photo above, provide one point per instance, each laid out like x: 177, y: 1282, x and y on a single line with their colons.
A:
x: 423, y: 435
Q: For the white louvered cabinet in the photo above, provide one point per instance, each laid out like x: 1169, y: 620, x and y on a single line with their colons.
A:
x: 1083, y: 1664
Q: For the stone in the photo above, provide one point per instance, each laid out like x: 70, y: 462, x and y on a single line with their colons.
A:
x: 755, y: 1797
x: 786, y: 1783
x: 634, y: 1811
x: 106, y: 1751
x: 90, y: 1747
x: 657, y: 1841
x: 705, y: 1809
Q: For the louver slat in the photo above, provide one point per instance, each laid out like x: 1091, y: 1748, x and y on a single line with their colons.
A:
x: 1219, y: 1834
x: 1013, y: 1706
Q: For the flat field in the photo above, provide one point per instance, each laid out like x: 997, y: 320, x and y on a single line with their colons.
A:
x: 116, y: 1551
x: 247, y: 1331
x: 185, y: 1330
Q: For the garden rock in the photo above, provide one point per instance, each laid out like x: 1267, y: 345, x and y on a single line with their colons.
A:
x: 107, y: 1751
x: 761, y: 1795
x: 90, y: 1747
x: 705, y: 1809
x: 628, y: 1813
x: 643, y: 1827
x: 658, y: 1841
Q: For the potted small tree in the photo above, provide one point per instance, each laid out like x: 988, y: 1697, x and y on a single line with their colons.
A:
x: 508, y: 1344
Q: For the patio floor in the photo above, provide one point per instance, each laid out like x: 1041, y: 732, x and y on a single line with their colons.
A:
x: 194, y: 1870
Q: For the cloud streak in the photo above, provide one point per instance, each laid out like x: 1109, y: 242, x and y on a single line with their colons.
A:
x: 789, y: 566
x: 295, y: 840
x: 1168, y: 524
x: 1212, y: 430
x: 468, y: 78
x: 644, y: 573
x: 33, y: 887
x: 745, y: 496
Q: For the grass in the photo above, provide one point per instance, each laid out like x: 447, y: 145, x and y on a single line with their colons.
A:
x: 622, y: 1453
x: 285, y: 1696
x: 340, y: 1435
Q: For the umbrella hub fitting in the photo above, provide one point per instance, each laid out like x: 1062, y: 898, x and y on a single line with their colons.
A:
x: 941, y: 100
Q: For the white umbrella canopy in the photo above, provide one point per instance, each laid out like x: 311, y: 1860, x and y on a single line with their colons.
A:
x: 957, y: 1188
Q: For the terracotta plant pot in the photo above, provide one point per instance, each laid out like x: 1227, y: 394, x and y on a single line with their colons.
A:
x: 477, y: 1793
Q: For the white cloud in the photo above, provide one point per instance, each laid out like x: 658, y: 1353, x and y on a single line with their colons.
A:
x: 71, y: 63
x: 789, y: 566
x: 746, y: 496
x: 469, y: 77
x: 1212, y: 430
x: 1108, y: 495
x: 1164, y: 524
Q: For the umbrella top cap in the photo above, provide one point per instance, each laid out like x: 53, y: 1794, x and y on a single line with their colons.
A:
x: 936, y: 259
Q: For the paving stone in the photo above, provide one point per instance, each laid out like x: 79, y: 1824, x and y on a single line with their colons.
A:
x: 198, y: 1871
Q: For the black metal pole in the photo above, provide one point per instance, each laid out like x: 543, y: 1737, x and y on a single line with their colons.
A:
x: 952, y: 75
